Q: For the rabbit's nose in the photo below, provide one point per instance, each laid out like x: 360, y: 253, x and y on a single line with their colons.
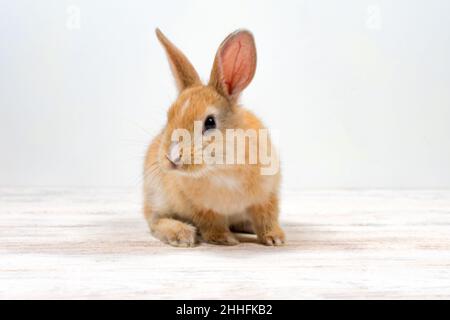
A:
x: 174, y: 155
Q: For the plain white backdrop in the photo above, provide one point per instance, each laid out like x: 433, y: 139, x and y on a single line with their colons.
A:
x: 358, y: 90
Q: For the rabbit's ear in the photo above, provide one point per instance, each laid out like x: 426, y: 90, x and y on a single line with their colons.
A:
x: 234, y: 65
x: 183, y: 71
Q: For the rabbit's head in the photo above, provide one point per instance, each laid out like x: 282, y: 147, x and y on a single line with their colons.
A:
x: 202, y: 112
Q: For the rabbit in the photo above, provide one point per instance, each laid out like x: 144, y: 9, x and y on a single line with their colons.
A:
x: 187, y: 202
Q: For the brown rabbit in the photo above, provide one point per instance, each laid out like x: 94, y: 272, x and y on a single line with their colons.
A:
x: 181, y: 197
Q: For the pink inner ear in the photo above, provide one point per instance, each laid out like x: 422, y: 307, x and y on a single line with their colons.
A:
x: 238, y: 62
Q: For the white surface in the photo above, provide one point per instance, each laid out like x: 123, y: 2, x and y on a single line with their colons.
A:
x: 358, y: 90
x: 93, y: 243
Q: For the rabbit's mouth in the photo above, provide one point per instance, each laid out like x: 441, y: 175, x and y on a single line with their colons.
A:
x: 172, y: 164
x: 177, y: 166
x: 190, y: 171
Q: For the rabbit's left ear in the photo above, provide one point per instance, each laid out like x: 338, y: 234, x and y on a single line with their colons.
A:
x: 234, y: 65
x: 182, y: 69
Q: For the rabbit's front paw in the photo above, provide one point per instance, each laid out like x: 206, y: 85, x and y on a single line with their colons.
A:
x: 183, y: 236
x: 223, y: 238
x: 273, y: 238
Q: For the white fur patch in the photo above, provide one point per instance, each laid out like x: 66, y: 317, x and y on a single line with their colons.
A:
x: 185, y: 105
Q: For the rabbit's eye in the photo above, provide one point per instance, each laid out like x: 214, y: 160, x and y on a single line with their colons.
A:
x: 210, y: 123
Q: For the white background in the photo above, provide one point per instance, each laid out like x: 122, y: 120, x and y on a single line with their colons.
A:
x: 358, y: 90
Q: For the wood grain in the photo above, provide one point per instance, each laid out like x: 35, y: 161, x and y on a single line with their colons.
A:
x: 94, y: 243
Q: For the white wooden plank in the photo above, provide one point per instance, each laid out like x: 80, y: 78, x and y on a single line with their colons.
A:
x: 94, y: 243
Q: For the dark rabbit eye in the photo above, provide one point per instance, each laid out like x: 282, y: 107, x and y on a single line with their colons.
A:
x: 210, y: 123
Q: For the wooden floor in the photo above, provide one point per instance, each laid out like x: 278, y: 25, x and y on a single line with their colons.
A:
x: 78, y: 243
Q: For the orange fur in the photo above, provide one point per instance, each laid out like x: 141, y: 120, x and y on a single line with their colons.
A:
x: 209, y: 198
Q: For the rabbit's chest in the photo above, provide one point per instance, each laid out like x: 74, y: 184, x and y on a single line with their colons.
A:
x: 222, y: 194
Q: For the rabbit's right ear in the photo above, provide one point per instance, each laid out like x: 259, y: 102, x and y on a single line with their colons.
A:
x: 234, y: 65
x: 183, y: 71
